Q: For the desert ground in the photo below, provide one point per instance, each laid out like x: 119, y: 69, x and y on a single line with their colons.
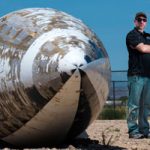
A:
x: 113, y: 134
x: 103, y: 135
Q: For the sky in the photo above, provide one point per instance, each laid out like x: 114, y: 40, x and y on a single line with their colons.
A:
x: 111, y: 20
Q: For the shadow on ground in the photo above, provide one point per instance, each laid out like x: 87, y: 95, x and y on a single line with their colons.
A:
x: 80, y: 143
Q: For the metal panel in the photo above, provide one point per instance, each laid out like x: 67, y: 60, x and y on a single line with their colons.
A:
x: 54, y: 119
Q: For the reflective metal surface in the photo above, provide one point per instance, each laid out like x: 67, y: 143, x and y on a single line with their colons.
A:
x: 54, y: 77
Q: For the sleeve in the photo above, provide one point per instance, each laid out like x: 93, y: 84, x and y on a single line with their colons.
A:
x: 133, y: 39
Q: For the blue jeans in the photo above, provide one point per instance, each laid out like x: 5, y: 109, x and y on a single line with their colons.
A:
x: 138, y: 104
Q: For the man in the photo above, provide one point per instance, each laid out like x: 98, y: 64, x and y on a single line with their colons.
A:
x: 138, y: 45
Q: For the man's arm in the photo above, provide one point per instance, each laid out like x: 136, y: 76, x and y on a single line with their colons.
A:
x: 144, y: 48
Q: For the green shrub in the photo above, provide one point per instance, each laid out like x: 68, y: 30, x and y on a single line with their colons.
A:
x: 110, y: 113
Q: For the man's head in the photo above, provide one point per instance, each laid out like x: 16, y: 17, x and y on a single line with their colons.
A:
x: 140, y: 14
x: 140, y: 20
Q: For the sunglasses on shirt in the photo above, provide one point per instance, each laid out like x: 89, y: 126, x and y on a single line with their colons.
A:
x: 141, y: 19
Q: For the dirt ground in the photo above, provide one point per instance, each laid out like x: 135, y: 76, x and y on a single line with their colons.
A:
x: 105, y: 135
x: 113, y: 134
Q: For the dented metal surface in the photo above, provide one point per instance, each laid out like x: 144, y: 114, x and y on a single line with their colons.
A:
x: 53, y: 69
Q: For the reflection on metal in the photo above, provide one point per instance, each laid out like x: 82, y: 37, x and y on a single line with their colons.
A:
x: 54, y: 77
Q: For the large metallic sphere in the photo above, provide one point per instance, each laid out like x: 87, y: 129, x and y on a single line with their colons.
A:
x: 54, y: 77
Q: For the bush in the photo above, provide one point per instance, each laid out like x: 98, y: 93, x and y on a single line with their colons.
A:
x: 110, y: 113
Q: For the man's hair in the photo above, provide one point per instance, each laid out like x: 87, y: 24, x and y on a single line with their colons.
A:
x: 140, y: 14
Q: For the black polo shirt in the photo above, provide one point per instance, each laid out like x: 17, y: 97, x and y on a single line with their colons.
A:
x: 138, y: 63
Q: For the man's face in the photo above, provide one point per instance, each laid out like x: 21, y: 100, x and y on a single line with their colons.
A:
x: 140, y: 22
